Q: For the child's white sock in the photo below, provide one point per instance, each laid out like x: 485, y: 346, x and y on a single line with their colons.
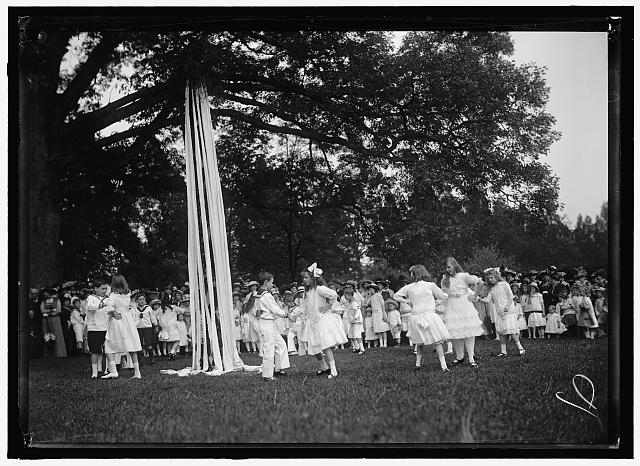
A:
x: 100, y: 364
x: 518, y: 345
x: 419, y: 358
x: 136, y: 370
x: 113, y: 371
x: 94, y: 370
x: 332, y: 365
x: 503, y: 348
x: 449, y: 347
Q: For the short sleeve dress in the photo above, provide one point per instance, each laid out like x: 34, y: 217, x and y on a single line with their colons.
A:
x: 122, y: 334
x: 425, y: 325
x: 325, y: 327
x: 461, y: 316
x: 502, y: 298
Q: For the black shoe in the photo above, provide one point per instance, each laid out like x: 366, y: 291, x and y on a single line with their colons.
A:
x: 323, y: 372
x: 172, y: 357
x: 501, y: 355
x: 473, y: 364
x: 456, y: 361
x: 416, y: 368
x: 279, y: 373
x: 268, y: 379
x: 446, y: 369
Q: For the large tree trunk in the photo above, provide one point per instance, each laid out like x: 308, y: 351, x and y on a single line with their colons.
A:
x: 44, y: 211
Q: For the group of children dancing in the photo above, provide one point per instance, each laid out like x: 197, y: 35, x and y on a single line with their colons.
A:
x: 461, y: 309
x: 315, y: 318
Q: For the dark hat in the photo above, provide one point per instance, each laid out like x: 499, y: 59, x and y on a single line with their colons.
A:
x: 251, y: 283
x: 372, y: 285
x: 236, y: 284
x: 186, y: 298
x: 137, y: 294
x: 235, y: 293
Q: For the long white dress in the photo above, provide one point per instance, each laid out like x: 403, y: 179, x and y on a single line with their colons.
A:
x: 122, y: 334
x: 325, y: 327
x: 461, y: 316
x: 425, y: 325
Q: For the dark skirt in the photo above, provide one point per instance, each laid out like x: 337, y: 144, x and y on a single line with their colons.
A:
x: 147, y: 336
x: 569, y: 320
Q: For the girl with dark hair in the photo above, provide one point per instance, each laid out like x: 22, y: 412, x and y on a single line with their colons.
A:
x: 325, y: 327
x: 425, y: 325
x: 460, y: 316
x: 122, y: 334
x: 169, y: 335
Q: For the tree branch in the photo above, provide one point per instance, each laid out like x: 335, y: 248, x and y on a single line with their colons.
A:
x: 307, y: 134
x: 144, y: 130
x: 120, y: 109
x: 99, y: 57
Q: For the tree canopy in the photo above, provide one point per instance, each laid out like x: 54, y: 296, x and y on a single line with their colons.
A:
x: 333, y: 146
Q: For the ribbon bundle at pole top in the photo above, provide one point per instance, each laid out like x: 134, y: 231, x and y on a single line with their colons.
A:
x: 208, y: 252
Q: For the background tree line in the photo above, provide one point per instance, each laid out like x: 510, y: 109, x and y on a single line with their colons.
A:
x: 333, y: 147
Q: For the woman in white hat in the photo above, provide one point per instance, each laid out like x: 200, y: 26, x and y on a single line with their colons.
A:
x: 325, y: 327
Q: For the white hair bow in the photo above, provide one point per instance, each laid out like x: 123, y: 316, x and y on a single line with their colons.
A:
x: 313, y: 268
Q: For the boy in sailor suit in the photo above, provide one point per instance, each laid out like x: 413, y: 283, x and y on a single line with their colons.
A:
x: 274, y: 348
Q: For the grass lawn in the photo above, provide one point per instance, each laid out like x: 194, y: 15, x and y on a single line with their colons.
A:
x: 377, y: 398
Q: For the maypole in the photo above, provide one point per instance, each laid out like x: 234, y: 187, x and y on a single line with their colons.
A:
x: 208, y: 252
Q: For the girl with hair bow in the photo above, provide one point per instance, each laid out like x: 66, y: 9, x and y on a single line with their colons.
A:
x: 325, y: 327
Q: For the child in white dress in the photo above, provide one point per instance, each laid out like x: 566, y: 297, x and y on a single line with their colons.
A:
x: 425, y: 325
x: 168, y: 322
x: 461, y: 317
x: 325, y: 327
x: 522, y: 323
x: 237, y: 323
x: 369, y: 334
x: 380, y: 318
x: 395, y: 322
x: 601, y: 311
x: 536, y: 318
x: 354, y: 318
x: 554, y: 323
x: 182, y: 331
x: 299, y: 315
x: 77, y: 323
x: 122, y: 333
x: 506, y: 317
